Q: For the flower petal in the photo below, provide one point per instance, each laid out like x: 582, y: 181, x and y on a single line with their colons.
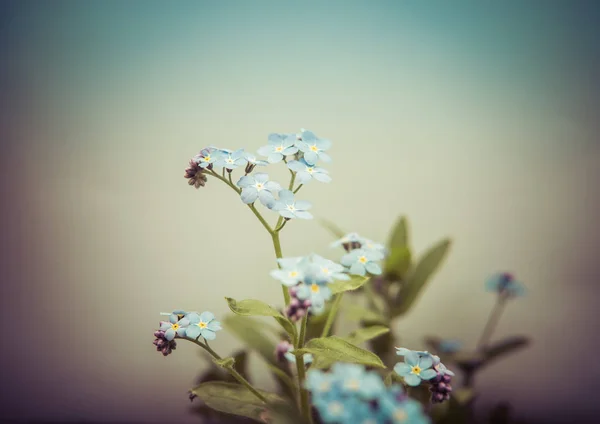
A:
x: 324, y: 157
x: 290, y: 150
x: 245, y: 181
x: 322, y: 177
x: 303, y: 205
x: 265, y: 150
x: 428, y: 374
x: 303, y: 177
x: 411, y: 358
x: 296, y: 166
x: 261, y: 177
x: 249, y: 195
x: 214, y: 325
x: 207, y: 316
x: 373, y: 268
x: 266, y: 198
x: 323, y: 144
x: 275, y: 157
x: 357, y: 269
x: 208, y: 334
x: 272, y: 186
x: 412, y: 380
x: 402, y: 369
x: 170, y: 334
x: 425, y: 362
x: 286, y: 213
x: 303, y: 215
x: 193, y: 331
x: 311, y: 157
x: 286, y: 196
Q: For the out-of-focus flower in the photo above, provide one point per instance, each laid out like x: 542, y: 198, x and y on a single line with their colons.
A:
x: 291, y: 270
x: 297, y: 309
x: 290, y: 208
x: 306, y: 172
x: 505, y: 284
x: 258, y: 187
x: 318, y: 294
x: 450, y: 346
x: 322, y: 270
x: 349, y: 242
x: 362, y: 261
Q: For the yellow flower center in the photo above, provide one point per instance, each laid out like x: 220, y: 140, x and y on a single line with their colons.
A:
x: 353, y: 384
x: 310, y: 170
x: 363, y: 260
x: 259, y: 186
x: 175, y: 326
x: 293, y: 274
x: 202, y: 324
x: 229, y: 160
x: 206, y: 158
x: 416, y: 370
x: 314, y: 288
x: 325, y: 270
x: 291, y: 208
x: 325, y: 386
x: 278, y: 148
x: 400, y: 415
x: 314, y: 148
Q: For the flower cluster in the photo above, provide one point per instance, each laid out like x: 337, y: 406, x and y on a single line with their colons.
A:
x: 349, y: 393
x: 308, y: 278
x: 284, y: 351
x: 185, y: 324
x: 419, y: 366
x: 362, y: 254
x: 305, y: 148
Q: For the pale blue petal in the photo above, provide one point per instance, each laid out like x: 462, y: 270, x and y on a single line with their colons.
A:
x: 266, y: 198
x: 323, y: 144
x: 214, y: 325
x: 303, y: 292
x: 373, y: 268
x: 184, y: 322
x: 245, y: 181
x: 277, y: 206
x: 272, y: 186
x: 310, y: 157
x: 238, y: 154
x: 275, y: 138
x: 402, y: 351
x: 261, y: 177
x: 341, y: 276
x: 303, y: 177
x: 290, y: 150
x: 308, y: 136
x: 412, y: 380
x: 173, y: 318
x: 170, y: 334
x: 302, y: 146
x: 290, y: 357
x: 275, y: 157
x: 181, y: 331
x: 296, y: 166
x: 303, y: 215
x: 194, y: 318
x: 373, y: 255
x: 322, y: 177
x: 357, y: 268
x: 288, y: 141
x: 286, y: 196
x: 287, y: 213
x: 249, y: 195
x: 402, y: 369
x: 425, y: 362
x: 302, y: 205
x: 412, y: 358
x: 428, y: 374
x: 207, y: 316
x: 326, y: 292
x: 324, y: 157
x: 288, y: 263
x: 164, y: 326
x: 317, y: 305
x: 193, y: 331
x: 208, y: 334
x: 265, y: 150
x: 347, y: 260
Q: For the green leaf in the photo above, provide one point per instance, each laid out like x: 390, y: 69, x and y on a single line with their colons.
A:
x: 234, y: 399
x: 225, y: 362
x: 333, y: 228
x: 397, y: 263
x: 504, y: 347
x: 340, y: 350
x: 252, y: 307
x: 360, y: 313
x: 362, y: 335
x: 355, y: 282
x: 419, y: 276
x: 463, y: 396
x: 322, y: 362
x: 283, y: 376
x: 400, y: 234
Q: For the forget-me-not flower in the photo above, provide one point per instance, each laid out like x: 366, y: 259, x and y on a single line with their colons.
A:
x: 289, y: 355
x: 314, y: 148
x: 292, y: 270
x: 318, y: 294
x: 231, y: 160
x: 280, y: 145
x: 371, y: 245
x: 505, y: 284
x: 174, y: 327
x: 362, y: 261
x: 322, y: 270
x: 207, y: 156
x: 258, y: 187
x: 415, y: 368
x: 355, y: 379
x: 203, y: 325
x: 306, y: 172
x: 290, y: 208
x: 254, y: 161
x: 349, y: 242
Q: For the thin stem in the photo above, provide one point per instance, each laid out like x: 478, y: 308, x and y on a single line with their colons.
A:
x: 492, y: 322
x: 301, y: 372
x: 292, y: 180
x: 332, y: 314
x: 278, y: 229
x: 229, y: 177
x: 279, y: 255
x: 231, y: 370
x: 298, y: 188
x: 223, y: 172
x: 260, y: 218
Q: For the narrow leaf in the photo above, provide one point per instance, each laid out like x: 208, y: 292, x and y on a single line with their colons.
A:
x: 463, y: 396
x: 504, y: 347
x: 365, y: 334
x: 400, y: 235
x: 340, y: 350
x: 333, y: 228
x: 419, y: 276
x: 283, y: 376
x: 355, y: 282
x: 234, y: 399
x: 252, y: 307
x: 397, y: 263
x: 359, y: 313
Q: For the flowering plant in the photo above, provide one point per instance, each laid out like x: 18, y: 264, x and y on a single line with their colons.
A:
x: 321, y: 376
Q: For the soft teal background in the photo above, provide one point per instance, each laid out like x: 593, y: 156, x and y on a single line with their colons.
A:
x: 478, y: 120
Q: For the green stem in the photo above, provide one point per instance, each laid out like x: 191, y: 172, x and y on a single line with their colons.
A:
x: 332, y: 314
x: 298, y: 188
x: 231, y: 370
x: 304, y: 405
x: 279, y: 255
x: 260, y: 218
x: 278, y: 229
x: 229, y: 177
x: 492, y: 322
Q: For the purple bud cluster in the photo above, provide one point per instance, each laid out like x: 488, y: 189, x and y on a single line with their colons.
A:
x: 282, y: 348
x: 440, y: 388
x: 297, y: 308
x: 162, y: 344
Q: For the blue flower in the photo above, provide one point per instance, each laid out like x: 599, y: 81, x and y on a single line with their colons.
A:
x: 320, y: 383
x: 289, y: 208
x: 203, y: 325
x: 318, y: 294
x: 408, y: 412
x: 362, y: 261
x: 289, y: 355
x: 371, y: 245
x: 314, y: 147
x: 258, y: 187
x: 306, y: 172
x: 323, y: 271
x: 231, y: 160
x: 175, y: 326
x: 443, y: 370
x: 415, y: 368
x: 256, y: 162
x: 450, y: 346
x: 280, y: 145
x: 356, y: 380
x: 291, y: 270
x: 504, y: 284
x: 403, y: 352
x: 206, y: 157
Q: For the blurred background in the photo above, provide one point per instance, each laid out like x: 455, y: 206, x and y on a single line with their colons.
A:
x: 477, y: 120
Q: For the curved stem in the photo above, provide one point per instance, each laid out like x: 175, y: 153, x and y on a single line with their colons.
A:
x: 492, y: 322
x: 278, y: 229
x: 229, y: 177
x: 332, y: 314
x: 298, y: 188
x: 260, y: 218
x: 302, y: 373
x: 231, y: 370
